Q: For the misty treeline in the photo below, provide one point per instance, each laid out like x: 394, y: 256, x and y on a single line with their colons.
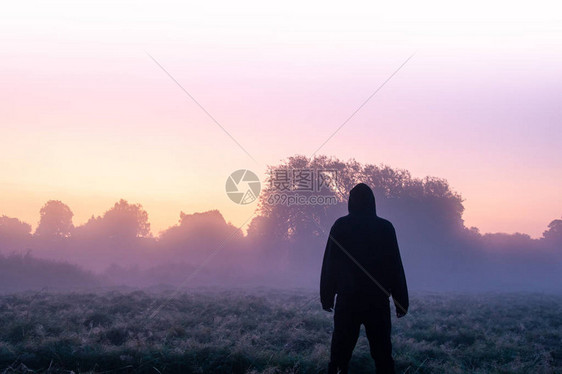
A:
x: 284, y: 244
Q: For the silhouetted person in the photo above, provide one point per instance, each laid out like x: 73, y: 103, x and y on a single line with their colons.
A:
x: 362, y: 266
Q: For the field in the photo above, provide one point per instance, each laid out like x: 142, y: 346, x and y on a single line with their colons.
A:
x: 268, y: 331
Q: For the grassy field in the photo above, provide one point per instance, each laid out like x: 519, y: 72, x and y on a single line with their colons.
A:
x: 268, y: 332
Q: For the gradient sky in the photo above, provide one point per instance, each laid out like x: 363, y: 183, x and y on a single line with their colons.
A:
x: 88, y: 118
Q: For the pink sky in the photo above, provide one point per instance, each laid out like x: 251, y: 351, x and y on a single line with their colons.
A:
x: 88, y: 118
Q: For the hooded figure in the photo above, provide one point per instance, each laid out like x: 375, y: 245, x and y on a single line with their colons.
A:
x: 362, y: 266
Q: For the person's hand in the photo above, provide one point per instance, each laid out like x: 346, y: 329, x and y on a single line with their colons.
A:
x: 328, y: 308
x: 400, y: 313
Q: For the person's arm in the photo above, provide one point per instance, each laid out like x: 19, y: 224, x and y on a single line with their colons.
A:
x: 399, y: 288
x: 327, y: 277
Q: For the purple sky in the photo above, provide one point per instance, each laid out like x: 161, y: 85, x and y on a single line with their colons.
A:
x: 87, y: 117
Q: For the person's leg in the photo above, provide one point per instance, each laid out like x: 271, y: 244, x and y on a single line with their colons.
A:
x: 344, y: 337
x: 378, y: 326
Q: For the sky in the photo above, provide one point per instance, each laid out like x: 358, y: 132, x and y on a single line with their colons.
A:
x: 88, y: 117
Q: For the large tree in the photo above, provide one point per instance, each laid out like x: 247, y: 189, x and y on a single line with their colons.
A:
x: 427, y: 203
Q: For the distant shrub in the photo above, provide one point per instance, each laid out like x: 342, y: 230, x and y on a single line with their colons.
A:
x: 20, y: 272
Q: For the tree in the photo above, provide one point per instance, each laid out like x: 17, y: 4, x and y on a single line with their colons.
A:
x: 13, y: 233
x: 55, y: 221
x: 554, y: 232
x: 127, y: 220
x: 122, y: 221
x: 200, y: 232
x: 13, y: 228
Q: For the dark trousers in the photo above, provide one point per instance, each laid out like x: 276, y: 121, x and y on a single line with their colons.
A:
x: 349, y: 314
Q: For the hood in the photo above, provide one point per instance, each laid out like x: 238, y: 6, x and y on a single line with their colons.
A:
x: 361, y: 200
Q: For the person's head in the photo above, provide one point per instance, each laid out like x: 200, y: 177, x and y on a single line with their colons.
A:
x: 361, y: 200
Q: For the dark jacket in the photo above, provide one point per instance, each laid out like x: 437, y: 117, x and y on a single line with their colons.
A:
x: 362, y: 256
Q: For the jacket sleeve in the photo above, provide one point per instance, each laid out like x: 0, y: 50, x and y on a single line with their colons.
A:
x: 399, y: 288
x: 328, y: 276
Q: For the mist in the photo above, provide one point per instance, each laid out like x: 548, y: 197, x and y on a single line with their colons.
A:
x: 283, y: 246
